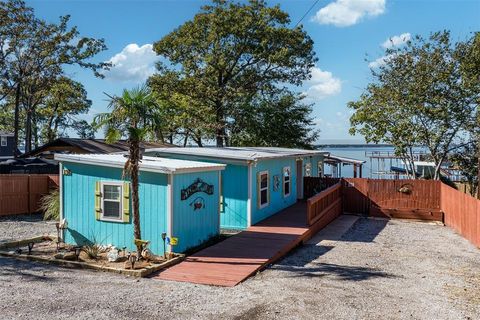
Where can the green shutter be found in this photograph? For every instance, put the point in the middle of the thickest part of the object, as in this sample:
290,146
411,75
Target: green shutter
126,202
98,200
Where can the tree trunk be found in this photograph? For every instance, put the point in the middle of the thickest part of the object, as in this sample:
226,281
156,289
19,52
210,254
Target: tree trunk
134,158
220,131
28,131
16,120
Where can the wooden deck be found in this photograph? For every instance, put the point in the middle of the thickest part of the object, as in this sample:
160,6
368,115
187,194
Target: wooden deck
238,257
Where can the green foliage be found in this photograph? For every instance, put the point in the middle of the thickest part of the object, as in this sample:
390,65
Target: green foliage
135,114
421,96
227,54
280,120
93,250
466,159
50,205
33,56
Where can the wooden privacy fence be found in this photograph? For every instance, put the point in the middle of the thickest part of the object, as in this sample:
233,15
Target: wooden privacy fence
325,206
21,193
408,199
462,213
414,199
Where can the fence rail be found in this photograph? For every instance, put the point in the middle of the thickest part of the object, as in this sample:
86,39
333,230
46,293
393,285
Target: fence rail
21,193
410,199
325,206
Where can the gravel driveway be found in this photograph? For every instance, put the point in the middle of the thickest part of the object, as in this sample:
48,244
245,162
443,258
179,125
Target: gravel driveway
377,270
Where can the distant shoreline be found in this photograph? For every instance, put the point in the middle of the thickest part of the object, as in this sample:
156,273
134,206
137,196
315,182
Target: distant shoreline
346,145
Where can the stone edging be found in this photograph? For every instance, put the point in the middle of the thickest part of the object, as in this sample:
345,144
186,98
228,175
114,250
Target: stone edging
83,265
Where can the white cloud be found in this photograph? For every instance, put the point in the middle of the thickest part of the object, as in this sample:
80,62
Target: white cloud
344,13
396,41
322,85
133,63
380,62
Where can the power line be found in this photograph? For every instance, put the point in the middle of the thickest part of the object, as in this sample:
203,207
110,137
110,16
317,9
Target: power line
306,13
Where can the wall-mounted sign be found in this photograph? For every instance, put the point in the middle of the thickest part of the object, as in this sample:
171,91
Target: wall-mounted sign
197,186
198,203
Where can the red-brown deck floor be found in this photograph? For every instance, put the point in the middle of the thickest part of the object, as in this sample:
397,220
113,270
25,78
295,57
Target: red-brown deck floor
238,257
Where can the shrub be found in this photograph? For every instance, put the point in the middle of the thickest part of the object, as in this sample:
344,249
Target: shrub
50,205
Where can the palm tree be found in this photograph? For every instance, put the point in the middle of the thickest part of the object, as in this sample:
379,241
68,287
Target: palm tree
134,113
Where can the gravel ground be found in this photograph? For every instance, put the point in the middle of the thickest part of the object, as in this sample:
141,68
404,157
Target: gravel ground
377,270
25,226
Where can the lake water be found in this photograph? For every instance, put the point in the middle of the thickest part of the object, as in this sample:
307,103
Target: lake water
360,153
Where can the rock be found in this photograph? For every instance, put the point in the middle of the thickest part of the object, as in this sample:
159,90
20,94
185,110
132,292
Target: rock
58,255
112,255
70,256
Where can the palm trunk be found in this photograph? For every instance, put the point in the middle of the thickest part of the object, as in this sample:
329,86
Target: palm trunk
134,162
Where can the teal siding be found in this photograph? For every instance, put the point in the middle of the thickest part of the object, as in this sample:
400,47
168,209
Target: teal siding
79,208
193,227
277,200
313,160
234,190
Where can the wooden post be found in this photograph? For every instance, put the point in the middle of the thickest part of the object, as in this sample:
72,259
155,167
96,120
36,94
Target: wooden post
354,170
361,166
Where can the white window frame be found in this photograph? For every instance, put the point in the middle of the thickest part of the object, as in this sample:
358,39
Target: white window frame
4,141
309,166
284,181
111,183
260,189
320,169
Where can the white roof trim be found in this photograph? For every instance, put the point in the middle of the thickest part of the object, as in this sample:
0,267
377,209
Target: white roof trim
152,164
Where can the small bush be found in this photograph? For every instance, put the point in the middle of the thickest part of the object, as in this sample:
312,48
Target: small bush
50,205
93,250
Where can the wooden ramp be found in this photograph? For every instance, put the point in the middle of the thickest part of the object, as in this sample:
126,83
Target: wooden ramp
238,257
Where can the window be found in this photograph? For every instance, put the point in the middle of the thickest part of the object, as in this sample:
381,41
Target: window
112,201
3,141
263,189
308,169
320,168
286,181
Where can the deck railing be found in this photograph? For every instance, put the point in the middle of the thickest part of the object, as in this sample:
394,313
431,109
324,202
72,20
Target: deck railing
325,206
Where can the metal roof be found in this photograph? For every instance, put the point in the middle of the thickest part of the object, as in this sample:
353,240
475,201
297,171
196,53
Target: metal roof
236,153
90,146
153,164
336,159
6,134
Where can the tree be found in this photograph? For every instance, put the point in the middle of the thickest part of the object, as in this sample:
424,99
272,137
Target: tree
229,52
64,100
33,55
279,120
134,114
466,159
420,96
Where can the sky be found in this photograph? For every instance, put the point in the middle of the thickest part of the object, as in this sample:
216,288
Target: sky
350,37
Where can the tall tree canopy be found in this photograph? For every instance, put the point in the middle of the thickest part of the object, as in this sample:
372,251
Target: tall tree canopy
422,95
229,53
32,57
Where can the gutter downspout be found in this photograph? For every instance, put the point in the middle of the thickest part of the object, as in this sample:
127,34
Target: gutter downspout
170,209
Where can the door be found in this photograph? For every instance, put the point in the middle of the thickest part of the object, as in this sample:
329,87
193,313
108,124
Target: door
299,172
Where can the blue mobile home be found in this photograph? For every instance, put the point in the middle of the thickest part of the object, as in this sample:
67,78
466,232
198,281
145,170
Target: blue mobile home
257,182
178,197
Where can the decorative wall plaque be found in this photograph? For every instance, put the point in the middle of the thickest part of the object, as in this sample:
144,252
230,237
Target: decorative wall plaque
197,186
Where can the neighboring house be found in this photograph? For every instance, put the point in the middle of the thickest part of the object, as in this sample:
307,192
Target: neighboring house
257,182
84,146
177,197
7,150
